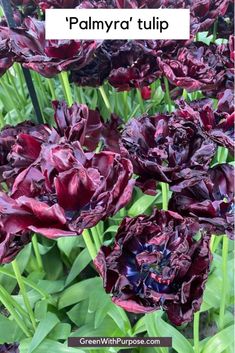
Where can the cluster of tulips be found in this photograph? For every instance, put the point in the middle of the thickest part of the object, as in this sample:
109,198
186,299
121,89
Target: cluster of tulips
126,64
63,179
59,184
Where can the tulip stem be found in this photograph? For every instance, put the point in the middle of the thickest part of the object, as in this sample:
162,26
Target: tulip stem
196,338
13,313
37,253
52,88
167,94
18,71
66,87
105,99
14,303
26,282
140,100
23,292
225,281
96,237
165,188
89,244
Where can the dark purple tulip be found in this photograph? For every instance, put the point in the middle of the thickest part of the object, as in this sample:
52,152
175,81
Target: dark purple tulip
77,123
111,134
168,148
6,57
100,66
211,201
60,4
225,26
134,65
19,147
156,263
25,7
97,4
48,57
196,67
11,245
9,348
66,191
217,125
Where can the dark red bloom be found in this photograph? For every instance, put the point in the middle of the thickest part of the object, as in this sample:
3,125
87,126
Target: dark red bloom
11,245
210,201
146,93
217,125
9,348
97,4
60,4
111,134
48,57
134,65
6,57
156,263
100,66
225,26
168,148
196,67
66,190
19,147
77,123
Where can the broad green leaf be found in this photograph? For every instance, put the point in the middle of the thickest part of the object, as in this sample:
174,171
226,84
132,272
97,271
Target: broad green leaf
67,244
108,328
111,229
52,264
79,292
141,205
79,314
82,260
120,318
150,323
221,341
140,326
48,346
60,332
179,342
40,309
22,259
9,331
102,311
44,328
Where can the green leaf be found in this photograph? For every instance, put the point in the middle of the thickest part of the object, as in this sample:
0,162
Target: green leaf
203,37
79,314
179,342
9,331
67,244
140,326
101,312
79,292
41,309
52,264
141,205
60,332
111,229
120,318
221,341
44,328
82,260
48,346
22,259
150,323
